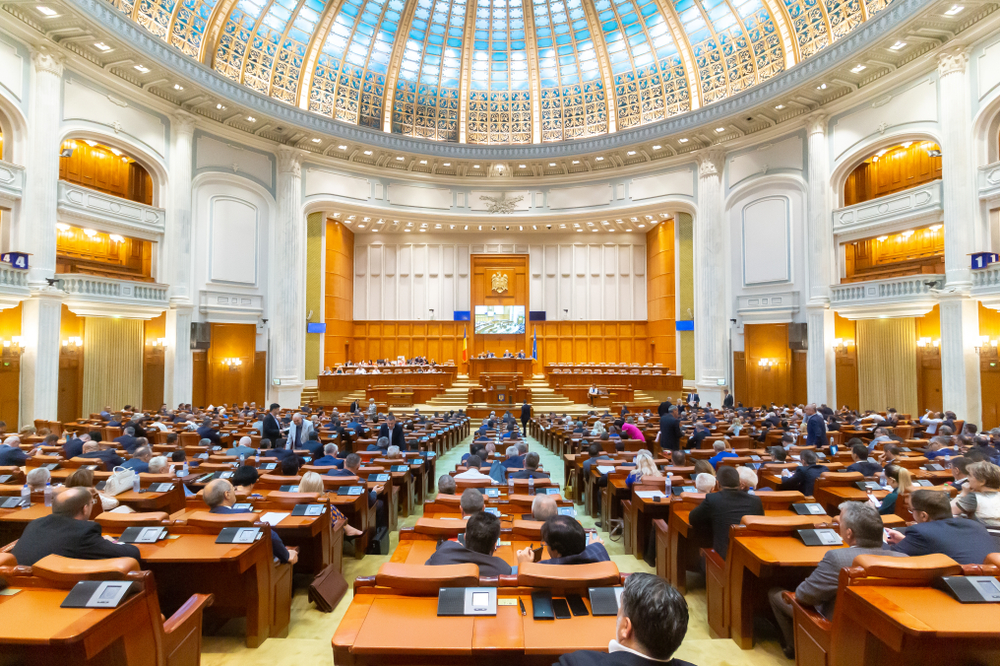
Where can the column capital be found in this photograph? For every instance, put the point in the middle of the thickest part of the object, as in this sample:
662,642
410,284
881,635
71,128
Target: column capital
47,292
183,122
816,122
289,160
710,161
50,62
953,61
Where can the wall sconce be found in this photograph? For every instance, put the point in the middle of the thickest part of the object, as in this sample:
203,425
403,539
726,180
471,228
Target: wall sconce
767,363
986,346
157,342
842,347
924,343
74,342
14,346
232,363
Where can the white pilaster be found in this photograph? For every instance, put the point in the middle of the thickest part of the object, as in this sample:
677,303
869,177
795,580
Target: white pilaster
35,230
710,326
40,318
178,374
821,368
287,288
960,382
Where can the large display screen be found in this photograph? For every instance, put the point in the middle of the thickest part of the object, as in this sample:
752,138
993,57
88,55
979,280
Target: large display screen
499,319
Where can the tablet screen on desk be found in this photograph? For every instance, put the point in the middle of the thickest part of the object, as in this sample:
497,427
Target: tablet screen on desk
245,535
480,600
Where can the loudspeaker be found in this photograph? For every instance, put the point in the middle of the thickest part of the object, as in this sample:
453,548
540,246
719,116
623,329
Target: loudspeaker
201,335
798,337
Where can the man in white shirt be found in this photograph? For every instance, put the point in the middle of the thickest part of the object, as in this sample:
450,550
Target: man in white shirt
361,370
932,420
472,473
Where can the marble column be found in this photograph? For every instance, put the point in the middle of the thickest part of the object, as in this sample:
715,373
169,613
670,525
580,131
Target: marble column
960,382
711,329
178,372
34,231
286,285
821,369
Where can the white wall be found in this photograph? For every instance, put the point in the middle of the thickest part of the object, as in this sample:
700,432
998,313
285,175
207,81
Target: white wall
400,277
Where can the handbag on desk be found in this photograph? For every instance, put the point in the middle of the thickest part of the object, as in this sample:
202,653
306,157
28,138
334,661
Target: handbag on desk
119,481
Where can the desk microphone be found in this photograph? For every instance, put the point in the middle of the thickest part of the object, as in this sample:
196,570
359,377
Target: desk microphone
520,602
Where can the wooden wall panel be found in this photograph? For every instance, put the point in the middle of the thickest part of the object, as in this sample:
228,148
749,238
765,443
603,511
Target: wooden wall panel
740,378
847,364
590,342
10,370
153,363
989,369
928,363
773,383
515,266
226,385
199,378
338,343
76,252
921,252
97,168
898,169
437,340
71,362
799,377
660,294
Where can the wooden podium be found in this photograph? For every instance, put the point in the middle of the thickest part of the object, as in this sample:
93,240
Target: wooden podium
499,389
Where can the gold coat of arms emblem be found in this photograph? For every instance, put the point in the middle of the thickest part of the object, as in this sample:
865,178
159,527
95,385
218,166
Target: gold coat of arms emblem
499,282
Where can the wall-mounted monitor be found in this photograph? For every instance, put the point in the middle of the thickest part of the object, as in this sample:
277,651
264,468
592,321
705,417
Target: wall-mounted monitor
499,320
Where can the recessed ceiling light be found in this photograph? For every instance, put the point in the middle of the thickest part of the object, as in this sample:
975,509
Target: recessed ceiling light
374,231
720,129
423,161
552,164
821,86
317,140
400,158
630,153
368,152
342,147
142,69
102,46
682,140
178,86
46,11
361,226
955,9
859,68
576,161
642,226
406,230
220,107
657,147
779,107
595,230
897,46
475,166
522,166
251,119
599,159
447,164
579,231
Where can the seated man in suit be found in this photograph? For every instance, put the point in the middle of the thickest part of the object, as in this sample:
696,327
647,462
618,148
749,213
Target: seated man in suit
481,534
652,622
74,445
938,531
139,462
106,455
473,463
805,476
329,458
127,440
472,502
11,454
861,529
721,448
543,507
530,470
381,444
567,543
220,496
859,454
68,532
596,455
244,448
277,449
206,431
718,511
513,459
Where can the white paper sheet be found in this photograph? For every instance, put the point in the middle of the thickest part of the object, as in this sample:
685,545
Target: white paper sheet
272,518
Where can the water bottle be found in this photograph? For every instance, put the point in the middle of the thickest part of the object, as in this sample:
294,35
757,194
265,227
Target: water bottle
667,486
48,493
256,458
135,483
184,468
242,459
510,485
531,485
25,497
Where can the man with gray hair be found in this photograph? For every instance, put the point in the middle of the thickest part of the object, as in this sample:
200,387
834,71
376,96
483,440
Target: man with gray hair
721,451
704,483
330,458
861,529
244,448
446,485
127,440
382,444
37,479
159,465
220,496
472,502
513,459
543,507
298,431
393,453
139,462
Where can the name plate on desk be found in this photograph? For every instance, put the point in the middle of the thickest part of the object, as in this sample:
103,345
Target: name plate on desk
547,491
823,537
923,483
677,490
246,507
10,502
5,478
239,535
565,511
143,534
459,601
809,509
289,488
99,594
491,492
971,589
161,487
605,600
868,485
308,509
269,466
349,490
492,509
378,478
400,468
51,467
934,467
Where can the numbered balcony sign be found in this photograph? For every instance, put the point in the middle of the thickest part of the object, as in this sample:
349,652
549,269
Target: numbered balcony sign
983,259
15,259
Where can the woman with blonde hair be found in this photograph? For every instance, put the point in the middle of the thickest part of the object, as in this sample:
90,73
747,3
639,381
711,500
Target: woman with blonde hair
644,466
980,497
896,478
312,482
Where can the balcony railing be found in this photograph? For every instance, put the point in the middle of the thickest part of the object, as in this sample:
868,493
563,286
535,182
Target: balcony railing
893,212
13,286
110,211
90,295
908,296
11,181
986,286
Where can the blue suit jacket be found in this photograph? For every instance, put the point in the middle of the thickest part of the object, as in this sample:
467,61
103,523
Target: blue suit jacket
595,552
127,442
12,456
804,479
277,546
815,430
516,461
963,540
137,466
72,448
107,456
329,461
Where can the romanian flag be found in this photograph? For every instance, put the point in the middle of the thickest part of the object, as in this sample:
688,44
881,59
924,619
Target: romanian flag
465,344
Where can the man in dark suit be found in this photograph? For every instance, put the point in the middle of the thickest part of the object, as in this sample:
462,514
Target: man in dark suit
859,454
530,470
525,415
68,532
670,430
269,426
515,459
107,456
139,462
206,431
938,531
815,427
481,533
663,408
567,543
128,440
652,622
727,399
693,399
11,454
74,445
718,511
394,431
805,476
329,458
220,496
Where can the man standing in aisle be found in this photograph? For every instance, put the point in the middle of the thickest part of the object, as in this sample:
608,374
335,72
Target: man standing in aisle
270,428
815,426
525,415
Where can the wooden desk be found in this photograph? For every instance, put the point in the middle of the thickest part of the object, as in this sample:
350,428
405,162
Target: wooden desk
896,626
486,366
13,521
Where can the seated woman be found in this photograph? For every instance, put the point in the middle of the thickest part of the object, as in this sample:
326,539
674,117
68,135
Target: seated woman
313,483
84,478
644,466
896,477
980,498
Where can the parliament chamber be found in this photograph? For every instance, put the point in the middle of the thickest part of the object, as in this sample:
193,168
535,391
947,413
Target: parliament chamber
577,332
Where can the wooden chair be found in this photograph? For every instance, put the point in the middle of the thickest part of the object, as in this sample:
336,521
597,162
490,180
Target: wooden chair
119,522
568,578
417,579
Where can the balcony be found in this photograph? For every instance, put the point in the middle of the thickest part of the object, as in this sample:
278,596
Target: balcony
893,212
92,296
989,182
11,182
909,296
986,286
13,286
109,211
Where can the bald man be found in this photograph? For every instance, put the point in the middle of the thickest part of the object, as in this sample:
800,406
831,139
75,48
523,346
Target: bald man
244,448
220,496
543,507
69,532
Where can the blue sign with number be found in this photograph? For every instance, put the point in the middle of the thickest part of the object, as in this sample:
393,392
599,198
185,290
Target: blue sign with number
983,259
15,259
